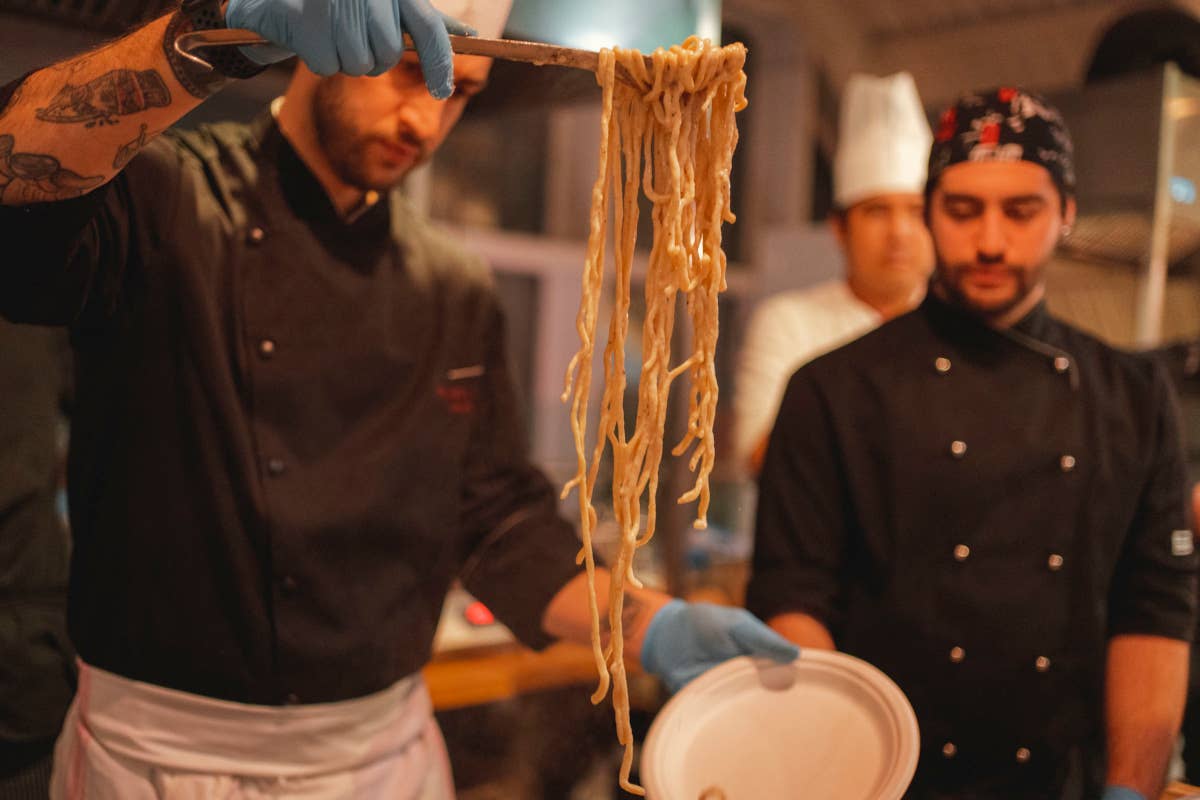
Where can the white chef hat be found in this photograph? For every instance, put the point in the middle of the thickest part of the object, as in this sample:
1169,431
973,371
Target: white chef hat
488,17
883,139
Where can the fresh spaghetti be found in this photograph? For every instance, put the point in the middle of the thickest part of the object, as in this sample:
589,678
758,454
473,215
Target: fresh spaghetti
668,131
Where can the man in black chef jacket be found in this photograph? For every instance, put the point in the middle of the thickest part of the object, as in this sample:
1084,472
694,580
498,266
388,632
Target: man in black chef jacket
294,423
988,504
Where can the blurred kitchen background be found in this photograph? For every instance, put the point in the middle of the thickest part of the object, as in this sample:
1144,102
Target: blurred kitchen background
514,182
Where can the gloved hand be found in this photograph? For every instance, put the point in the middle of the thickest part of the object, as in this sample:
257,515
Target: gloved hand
1120,793
685,639
357,37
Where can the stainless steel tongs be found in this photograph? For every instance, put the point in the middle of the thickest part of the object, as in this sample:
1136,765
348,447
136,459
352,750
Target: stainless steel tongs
510,50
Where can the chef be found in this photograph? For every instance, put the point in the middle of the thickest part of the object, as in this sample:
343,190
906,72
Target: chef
879,180
294,421
989,504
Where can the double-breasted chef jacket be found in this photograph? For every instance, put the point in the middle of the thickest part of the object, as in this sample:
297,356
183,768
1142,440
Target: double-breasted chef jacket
976,512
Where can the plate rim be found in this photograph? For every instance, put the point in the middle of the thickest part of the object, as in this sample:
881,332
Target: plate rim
887,693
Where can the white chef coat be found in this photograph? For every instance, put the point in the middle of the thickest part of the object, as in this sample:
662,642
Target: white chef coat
786,331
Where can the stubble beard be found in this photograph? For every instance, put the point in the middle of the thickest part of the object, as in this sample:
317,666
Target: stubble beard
950,280
345,149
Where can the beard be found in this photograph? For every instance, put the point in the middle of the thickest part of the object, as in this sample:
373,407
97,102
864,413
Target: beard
345,146
954,282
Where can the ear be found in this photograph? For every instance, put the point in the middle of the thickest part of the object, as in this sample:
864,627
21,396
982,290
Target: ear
837,223
1070,210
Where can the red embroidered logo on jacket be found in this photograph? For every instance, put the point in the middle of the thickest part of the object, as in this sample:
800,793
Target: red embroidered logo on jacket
459,399
459,391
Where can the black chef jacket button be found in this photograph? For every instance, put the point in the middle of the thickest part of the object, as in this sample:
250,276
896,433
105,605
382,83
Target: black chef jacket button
949,750
958,449
1042,664
275,466
1067,463
288,583
957,654
1062,364
1054,562
292,699
942,365
962,552
256,235
266,348
1023,755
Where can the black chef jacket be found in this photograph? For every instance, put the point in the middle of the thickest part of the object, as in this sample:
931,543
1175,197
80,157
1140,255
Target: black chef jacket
291,433
976,512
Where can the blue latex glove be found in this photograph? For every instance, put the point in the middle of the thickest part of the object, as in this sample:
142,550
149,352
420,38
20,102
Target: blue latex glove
1120,793
685,639
357,37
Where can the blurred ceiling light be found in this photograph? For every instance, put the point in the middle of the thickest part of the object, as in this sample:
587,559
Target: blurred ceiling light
639,24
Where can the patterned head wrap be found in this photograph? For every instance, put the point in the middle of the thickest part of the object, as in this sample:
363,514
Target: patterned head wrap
1003,125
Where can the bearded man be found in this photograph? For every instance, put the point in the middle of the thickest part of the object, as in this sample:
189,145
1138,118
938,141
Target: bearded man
989,504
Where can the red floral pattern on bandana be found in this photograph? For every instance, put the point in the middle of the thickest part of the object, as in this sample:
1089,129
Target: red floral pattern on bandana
947,125
1004,124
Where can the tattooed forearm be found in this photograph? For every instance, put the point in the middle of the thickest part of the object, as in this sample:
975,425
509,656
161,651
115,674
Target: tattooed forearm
100,101
36,177
130,149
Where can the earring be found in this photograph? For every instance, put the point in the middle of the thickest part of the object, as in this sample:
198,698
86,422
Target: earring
1065,231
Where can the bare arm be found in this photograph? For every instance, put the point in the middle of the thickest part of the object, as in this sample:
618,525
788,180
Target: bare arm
69,128
1145,691
802,629
568,616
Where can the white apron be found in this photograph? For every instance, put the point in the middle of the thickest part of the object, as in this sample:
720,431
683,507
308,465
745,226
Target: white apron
127,740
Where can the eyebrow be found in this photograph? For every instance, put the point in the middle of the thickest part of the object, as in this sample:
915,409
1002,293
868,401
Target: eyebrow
950,197
1024,198
471,86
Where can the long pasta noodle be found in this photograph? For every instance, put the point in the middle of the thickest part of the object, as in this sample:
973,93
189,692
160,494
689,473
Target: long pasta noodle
668,132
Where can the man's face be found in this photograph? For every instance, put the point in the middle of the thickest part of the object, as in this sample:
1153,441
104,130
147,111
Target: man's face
995,226
376,130
887,244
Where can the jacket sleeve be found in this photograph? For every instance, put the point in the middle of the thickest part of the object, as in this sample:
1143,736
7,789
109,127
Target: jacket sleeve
1153,589
523,550
800,536
768,357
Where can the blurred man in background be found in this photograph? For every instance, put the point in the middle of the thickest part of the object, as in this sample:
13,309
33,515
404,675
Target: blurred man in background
879,178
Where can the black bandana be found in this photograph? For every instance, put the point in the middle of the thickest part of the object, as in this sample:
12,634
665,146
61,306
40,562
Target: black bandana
1003,125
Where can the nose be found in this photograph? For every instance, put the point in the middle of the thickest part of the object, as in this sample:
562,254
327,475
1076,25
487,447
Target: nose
421,115
991,245
902,224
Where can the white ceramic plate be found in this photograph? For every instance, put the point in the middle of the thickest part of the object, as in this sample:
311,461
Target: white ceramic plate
828,725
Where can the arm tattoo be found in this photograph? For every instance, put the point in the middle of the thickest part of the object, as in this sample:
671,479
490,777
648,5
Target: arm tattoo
36,177
100,101
130,149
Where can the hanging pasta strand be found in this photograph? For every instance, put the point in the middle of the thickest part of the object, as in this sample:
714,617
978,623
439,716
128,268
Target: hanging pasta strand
670,134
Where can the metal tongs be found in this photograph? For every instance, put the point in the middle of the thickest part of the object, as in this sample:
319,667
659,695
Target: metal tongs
508,49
